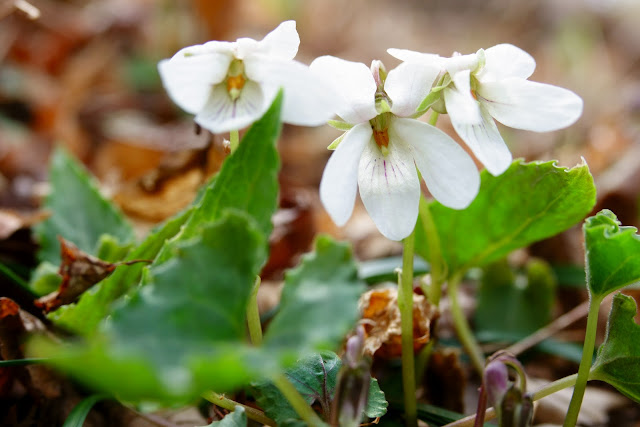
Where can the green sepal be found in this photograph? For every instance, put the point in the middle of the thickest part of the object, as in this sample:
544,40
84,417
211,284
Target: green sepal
340,125
336,142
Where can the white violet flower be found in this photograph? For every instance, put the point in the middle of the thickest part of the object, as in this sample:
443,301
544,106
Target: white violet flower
384,145
493,83
229,85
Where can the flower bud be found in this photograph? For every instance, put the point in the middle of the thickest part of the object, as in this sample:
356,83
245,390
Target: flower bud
496,382
379,73
352,385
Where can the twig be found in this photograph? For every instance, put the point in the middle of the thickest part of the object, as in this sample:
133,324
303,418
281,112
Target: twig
226,403
552,328
22,5
470,420
30,10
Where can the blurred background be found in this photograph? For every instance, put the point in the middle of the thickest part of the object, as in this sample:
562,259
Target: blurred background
83,75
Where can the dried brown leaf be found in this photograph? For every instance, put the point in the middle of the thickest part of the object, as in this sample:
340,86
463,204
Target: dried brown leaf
79,272
381,320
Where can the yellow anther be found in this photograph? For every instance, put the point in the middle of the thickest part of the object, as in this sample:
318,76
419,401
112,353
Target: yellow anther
235,83
381,137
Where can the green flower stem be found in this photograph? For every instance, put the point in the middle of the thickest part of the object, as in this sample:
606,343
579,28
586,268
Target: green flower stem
545,391
585,364
433,119
462,328
296,400
555,386
234,140
437,274
253,315
405,305
252,413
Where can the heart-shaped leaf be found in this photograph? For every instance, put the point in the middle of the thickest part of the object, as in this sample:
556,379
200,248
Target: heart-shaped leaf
618,359
183,332
79,213
612,254
95,304
247,181
527,203
319,302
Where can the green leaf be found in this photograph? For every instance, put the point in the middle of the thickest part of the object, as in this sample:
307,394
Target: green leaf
184,331
81,410
515,304
238,418
79,213
527,203
45,279
612,254
385,269
247,181
315,378
94,305
319,302
618,359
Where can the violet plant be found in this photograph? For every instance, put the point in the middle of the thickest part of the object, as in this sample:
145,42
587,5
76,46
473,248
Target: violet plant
177,329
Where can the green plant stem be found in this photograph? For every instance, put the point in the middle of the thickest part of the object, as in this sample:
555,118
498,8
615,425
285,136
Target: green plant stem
234,140
545,391
437,265
555,386
462,327
296,400
21,362
585,363
13,276
433,119
252,413
405,305
253,315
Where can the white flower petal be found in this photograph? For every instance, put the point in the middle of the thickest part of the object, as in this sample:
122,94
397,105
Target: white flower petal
309,100
389,188
458,63
522,104
283,42
460,103
245,47
222,114
412,56
353,82
449,172
504,61
485,141
407,85
188,79
340,178
213,46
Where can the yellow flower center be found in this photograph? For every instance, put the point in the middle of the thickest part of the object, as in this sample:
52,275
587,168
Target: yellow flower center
381,137
380,126
235,83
